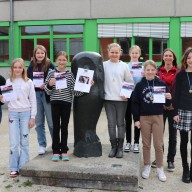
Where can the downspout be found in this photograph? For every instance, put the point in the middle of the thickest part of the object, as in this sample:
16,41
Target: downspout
11,31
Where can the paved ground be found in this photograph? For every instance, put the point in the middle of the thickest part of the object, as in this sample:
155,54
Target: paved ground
21,185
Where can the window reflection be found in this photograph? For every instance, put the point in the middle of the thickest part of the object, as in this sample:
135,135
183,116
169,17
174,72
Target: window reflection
58,45
143,43
125,46
186,42
4,31
4,51
67,29
104,42
27,49
76,46
35,30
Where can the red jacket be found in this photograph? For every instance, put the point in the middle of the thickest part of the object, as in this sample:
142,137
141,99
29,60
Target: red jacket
167,77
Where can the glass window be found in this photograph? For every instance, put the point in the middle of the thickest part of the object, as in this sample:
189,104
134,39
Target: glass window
59,45
4,51
27,49
143,43
186,42
104,42
158,46
46,44
125,43
35,30
76,46
67,29
4,31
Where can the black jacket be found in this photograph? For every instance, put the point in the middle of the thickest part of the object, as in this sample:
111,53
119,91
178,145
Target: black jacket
30,75
142,105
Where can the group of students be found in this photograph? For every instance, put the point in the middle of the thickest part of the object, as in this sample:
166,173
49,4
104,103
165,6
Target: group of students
34,104
150,117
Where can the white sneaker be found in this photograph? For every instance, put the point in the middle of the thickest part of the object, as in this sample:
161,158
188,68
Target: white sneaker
161,174
146,171
136,148
41,150
127,147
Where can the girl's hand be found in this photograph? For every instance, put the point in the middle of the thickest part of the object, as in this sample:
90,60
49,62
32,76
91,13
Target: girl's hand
31,123
168,95
123,97
42,86
176,118
1,97
52,82
138,124
92,82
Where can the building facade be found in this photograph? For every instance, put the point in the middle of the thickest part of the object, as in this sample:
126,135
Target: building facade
90,25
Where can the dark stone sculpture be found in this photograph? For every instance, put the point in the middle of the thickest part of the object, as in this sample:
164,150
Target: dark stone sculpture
87,108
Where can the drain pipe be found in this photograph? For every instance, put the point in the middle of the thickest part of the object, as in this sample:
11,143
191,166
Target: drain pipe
11,31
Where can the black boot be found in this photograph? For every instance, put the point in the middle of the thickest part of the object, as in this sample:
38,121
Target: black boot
186,174
191,173
113,151
119,153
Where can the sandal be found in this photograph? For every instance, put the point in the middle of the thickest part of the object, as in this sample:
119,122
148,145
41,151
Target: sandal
14,174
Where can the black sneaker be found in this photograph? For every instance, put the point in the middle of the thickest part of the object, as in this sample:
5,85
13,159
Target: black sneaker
171,166
154,164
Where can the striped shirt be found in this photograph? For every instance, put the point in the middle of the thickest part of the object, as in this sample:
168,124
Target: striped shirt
61,95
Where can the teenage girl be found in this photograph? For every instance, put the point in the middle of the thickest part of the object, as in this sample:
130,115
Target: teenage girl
148,116
167,73
134,53
41,63
21,113
116,72
2,82
183,111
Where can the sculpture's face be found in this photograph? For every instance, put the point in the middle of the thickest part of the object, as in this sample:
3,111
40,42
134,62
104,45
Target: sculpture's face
114,54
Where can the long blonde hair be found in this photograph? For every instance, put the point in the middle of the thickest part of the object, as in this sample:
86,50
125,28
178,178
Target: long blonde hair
24,73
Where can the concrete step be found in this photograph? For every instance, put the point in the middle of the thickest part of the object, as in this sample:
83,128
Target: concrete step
89,173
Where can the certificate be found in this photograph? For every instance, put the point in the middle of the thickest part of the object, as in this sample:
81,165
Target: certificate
61,81
8,93
136,69
127,89
38,78
159,94
83,80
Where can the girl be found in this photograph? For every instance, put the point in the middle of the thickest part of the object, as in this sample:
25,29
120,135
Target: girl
116,72
148,117
183,110
134,53
40,63
2,82
167,73
61,100
21,114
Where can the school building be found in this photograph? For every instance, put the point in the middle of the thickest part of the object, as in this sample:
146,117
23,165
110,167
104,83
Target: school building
90,25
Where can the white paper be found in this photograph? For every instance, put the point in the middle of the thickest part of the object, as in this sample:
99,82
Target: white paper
136,69
38,78
61,81
127,89
159,94
83,80
8,93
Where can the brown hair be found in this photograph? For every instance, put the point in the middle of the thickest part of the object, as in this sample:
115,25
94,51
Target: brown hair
24,73
135,47
174,58
45,61
114,45
61,53
184,58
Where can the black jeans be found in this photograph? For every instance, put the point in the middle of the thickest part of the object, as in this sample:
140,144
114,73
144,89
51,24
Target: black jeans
128,124
183,147
60,117
168,114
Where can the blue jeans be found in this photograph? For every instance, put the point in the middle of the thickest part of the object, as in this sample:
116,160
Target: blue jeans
18,136
43,109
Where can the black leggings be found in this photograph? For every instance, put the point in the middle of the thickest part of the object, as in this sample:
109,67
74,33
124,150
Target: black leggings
183,147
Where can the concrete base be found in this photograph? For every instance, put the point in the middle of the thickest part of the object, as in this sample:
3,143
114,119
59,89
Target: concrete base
91,173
